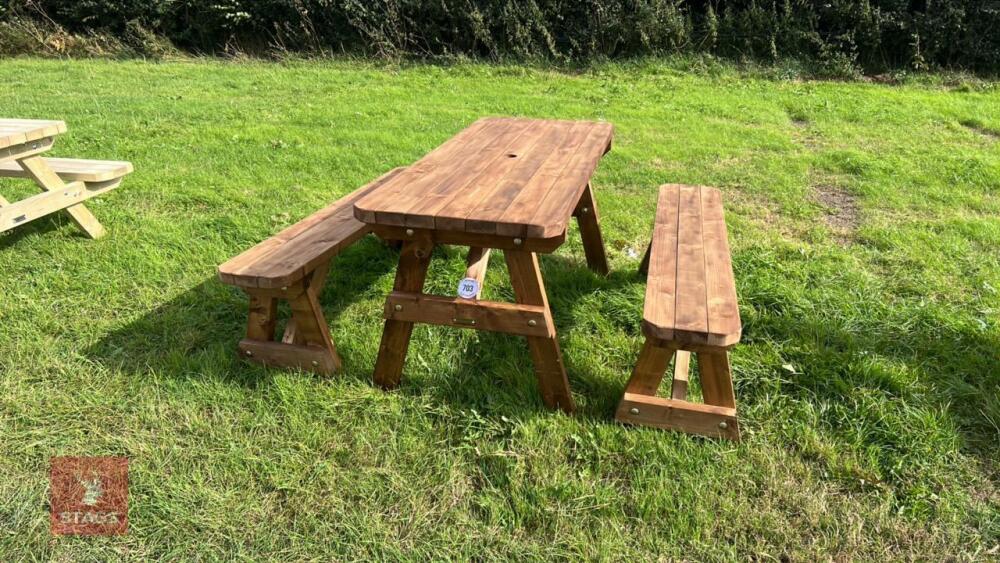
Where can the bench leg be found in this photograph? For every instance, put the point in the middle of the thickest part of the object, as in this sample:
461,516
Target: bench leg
526,278
715,418
316,281
649,369
306,343
414,258
48,180
590,231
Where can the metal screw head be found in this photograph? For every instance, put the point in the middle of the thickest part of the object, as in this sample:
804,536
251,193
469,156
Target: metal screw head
633,410
532,322
585,210
397,307
723,425
249,353
409,232
518,241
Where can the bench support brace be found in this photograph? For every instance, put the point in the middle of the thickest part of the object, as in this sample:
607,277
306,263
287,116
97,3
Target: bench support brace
715,418
306,343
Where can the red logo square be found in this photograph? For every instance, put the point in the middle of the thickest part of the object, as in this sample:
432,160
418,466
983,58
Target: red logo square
88,495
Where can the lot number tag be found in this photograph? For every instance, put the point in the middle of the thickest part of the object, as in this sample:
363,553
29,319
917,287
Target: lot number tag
468,288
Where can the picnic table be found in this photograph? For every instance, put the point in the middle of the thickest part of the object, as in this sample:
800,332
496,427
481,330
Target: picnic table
502,183
65,183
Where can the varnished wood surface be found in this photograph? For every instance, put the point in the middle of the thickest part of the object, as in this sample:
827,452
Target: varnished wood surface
691,291
294,252
500,176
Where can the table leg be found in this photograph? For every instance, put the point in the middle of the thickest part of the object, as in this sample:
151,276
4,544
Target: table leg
526,278
590,231
414,258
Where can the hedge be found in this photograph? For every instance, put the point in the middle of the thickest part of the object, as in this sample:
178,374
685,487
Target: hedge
869,34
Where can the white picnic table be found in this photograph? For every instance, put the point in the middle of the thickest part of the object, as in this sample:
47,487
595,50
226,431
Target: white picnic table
65,183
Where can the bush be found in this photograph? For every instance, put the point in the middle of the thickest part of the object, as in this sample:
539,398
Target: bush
871,34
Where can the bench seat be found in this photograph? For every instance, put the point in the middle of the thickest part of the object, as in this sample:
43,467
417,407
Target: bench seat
690,307
290,255
75,170
292,265
690,290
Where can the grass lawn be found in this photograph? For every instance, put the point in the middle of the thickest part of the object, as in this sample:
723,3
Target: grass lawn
865,225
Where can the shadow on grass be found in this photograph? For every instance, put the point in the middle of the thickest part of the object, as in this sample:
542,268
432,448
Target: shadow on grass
41,226
195,334
876,376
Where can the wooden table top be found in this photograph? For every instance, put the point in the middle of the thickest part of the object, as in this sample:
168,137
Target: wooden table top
500,176
20,131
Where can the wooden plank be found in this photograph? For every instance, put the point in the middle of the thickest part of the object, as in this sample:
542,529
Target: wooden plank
387,200
716,379
554,210
19,131
46,203
649,369
477,262
724,326
517,215
543,246
691,311
590,231
414,258
475,189
311,328
526,277
693,418
423,180
252,267
510,318
26,149
308,358
472,181
72,169
661,283
484,215
263,316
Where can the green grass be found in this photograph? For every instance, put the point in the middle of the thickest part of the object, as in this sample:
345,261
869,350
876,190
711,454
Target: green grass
868,379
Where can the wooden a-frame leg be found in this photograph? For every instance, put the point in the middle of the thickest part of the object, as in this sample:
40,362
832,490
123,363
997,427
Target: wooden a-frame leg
716,379
316,281
526,277
715,418
414,258
48,180
590,231
262,318
477,260
649,369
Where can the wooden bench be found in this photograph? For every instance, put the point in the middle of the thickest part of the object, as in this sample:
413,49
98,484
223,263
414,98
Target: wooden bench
293,265
67,182
690,307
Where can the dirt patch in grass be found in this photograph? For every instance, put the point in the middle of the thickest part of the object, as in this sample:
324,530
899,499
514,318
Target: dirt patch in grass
843,215
981,129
